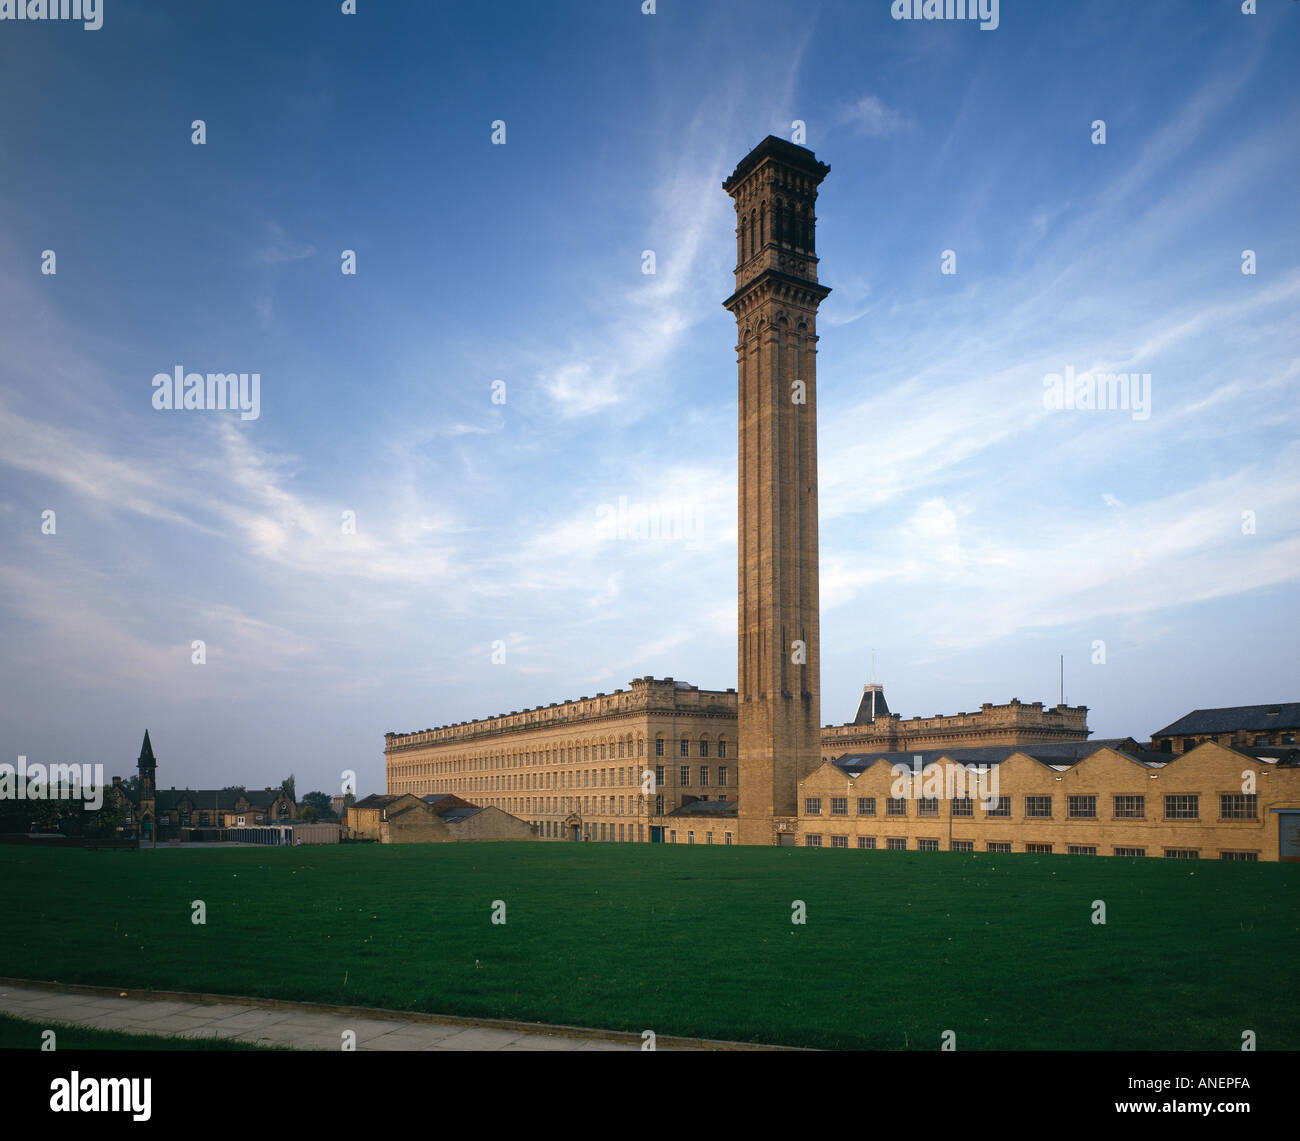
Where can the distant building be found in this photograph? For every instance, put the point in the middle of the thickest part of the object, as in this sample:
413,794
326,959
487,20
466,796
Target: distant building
549,765
434,819
1234,725
167,811
875,728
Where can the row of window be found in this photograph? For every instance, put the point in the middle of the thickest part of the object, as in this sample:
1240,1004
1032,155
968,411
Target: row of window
1182,806
563,805
684,776
590,778
899,844
186,819
603,830
579,754
1189,743
610,833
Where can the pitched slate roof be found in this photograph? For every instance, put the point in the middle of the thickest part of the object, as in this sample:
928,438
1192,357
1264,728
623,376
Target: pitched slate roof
1251,718
215,799
448,807
375,800
444,802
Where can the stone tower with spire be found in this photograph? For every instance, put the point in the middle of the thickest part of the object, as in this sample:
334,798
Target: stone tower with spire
147,767
775,305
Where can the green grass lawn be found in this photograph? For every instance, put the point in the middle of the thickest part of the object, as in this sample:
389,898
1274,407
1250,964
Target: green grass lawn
20,1034
898,947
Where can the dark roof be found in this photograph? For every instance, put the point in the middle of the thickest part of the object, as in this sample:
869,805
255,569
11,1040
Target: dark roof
146,753
872,705
1251,718
706,808
784,151
214,799
1048,752
443,803
446,806
1284,755
375,800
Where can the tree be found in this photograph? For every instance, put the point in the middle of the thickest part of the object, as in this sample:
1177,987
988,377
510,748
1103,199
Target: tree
239,788
73,817
288,787
321,804
106,820
308,814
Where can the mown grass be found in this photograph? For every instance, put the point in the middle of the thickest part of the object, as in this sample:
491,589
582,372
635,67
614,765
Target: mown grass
898,947
21,1034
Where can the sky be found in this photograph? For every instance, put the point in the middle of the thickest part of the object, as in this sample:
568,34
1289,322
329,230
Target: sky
499,372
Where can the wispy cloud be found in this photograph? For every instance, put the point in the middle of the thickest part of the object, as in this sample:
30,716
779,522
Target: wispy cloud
871,117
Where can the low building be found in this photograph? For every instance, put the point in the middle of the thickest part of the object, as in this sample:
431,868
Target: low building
431,819
286,835
1107,798
697,821
222,808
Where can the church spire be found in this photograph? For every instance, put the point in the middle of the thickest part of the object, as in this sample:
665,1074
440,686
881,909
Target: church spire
148,768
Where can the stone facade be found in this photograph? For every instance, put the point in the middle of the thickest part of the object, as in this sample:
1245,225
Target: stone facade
1107,803
774,189
676,742
578,769
408,819
1012,724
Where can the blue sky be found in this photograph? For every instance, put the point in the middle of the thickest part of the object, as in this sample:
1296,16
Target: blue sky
968,533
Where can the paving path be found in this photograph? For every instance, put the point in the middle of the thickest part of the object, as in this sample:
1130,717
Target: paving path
302,1026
